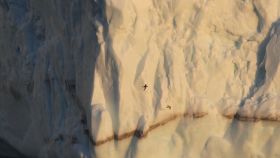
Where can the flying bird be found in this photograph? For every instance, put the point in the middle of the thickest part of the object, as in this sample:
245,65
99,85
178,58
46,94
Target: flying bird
145,87
168,107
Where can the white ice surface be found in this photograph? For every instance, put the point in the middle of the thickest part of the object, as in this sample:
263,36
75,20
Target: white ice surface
65,60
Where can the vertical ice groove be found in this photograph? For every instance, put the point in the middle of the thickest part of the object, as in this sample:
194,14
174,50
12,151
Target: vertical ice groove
258,12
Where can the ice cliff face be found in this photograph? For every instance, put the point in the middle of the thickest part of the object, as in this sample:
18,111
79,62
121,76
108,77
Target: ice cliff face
76,74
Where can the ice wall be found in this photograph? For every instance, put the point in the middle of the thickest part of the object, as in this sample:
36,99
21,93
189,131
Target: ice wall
195,57
76,74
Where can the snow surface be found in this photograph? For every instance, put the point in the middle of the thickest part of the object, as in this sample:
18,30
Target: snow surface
73,74
209,137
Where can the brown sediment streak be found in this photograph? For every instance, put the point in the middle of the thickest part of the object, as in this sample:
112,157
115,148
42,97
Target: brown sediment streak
255,118
142,134
247,118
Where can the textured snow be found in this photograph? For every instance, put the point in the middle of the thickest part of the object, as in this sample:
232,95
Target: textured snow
264,98
72,75
208,137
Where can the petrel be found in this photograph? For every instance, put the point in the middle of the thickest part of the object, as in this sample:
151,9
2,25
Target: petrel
168,107
145,87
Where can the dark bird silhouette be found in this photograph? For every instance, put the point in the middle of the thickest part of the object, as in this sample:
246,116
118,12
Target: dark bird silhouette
145,87
168,107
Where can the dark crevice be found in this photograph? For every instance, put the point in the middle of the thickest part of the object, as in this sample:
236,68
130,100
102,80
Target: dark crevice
97,9
112,69
157,92
139,133
260,19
